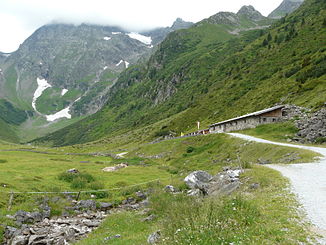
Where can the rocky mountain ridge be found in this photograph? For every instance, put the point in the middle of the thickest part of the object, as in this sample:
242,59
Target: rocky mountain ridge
77,65
286,7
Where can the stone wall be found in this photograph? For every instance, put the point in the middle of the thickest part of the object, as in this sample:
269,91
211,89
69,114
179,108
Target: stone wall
244,123
312,128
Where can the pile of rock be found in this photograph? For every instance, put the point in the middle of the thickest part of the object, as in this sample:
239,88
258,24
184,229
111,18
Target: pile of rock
313,128
57,231
78,219
115,168
292,112
224,183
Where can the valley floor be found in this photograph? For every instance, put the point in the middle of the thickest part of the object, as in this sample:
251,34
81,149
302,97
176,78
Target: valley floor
267,214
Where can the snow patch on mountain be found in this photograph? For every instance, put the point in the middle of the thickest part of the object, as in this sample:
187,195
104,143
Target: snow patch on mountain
77,99
123,61
105,67
144,39
42,85
64,91
116,33
107,38
60,114
120,62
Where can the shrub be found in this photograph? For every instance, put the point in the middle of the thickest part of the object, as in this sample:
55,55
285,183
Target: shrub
321,140
80,180
3,161
190,149
70,177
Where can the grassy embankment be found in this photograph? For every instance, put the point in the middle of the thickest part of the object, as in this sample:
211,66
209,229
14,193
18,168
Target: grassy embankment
266,214
281,132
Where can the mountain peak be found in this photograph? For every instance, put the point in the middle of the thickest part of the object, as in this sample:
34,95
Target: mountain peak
181,24
250,12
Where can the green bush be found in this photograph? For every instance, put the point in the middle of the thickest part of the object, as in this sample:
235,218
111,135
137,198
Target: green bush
190,149
3,161
81,181
70,177
321,140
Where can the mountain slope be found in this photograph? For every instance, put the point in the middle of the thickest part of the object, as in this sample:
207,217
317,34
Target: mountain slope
64,71
286,7
169,69
205,74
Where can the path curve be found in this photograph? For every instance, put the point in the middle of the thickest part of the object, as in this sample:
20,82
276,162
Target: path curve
308,181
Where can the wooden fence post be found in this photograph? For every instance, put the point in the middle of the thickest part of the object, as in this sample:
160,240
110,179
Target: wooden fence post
11,198
77,196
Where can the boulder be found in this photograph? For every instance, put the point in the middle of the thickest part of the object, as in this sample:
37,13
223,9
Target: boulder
223,183
115,168
169,188
105,206
198,180
73,171
141,195
85,205
154,237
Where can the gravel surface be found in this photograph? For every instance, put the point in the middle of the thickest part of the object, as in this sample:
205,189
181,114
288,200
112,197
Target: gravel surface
308,181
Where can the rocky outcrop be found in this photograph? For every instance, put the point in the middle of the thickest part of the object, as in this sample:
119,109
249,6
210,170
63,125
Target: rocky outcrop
286,7
115,168
224,183
251,13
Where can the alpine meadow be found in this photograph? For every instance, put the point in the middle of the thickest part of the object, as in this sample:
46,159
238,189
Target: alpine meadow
206,132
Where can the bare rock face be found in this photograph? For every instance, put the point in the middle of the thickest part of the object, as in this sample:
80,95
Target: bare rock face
286,7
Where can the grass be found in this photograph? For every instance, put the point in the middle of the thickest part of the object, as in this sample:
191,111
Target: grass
281,132
170,161
276,131
267,215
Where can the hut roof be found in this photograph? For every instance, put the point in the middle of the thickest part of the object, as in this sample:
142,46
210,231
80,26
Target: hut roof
257,113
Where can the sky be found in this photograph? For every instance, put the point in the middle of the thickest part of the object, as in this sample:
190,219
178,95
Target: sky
20,18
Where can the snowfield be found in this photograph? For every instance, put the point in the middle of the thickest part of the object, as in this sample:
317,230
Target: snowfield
144,39
42,85
107,38
60,114
64,91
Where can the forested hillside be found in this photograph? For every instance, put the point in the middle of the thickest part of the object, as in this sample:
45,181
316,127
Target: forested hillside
212,72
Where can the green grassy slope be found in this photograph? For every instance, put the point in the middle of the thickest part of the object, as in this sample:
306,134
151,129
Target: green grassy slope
7,132
210,75
265,215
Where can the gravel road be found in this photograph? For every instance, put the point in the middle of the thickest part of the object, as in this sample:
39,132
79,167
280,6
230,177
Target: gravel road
308,181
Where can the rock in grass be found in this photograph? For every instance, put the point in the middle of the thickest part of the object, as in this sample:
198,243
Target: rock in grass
73,171
86,204
154,237
198,180
169,188
104,206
